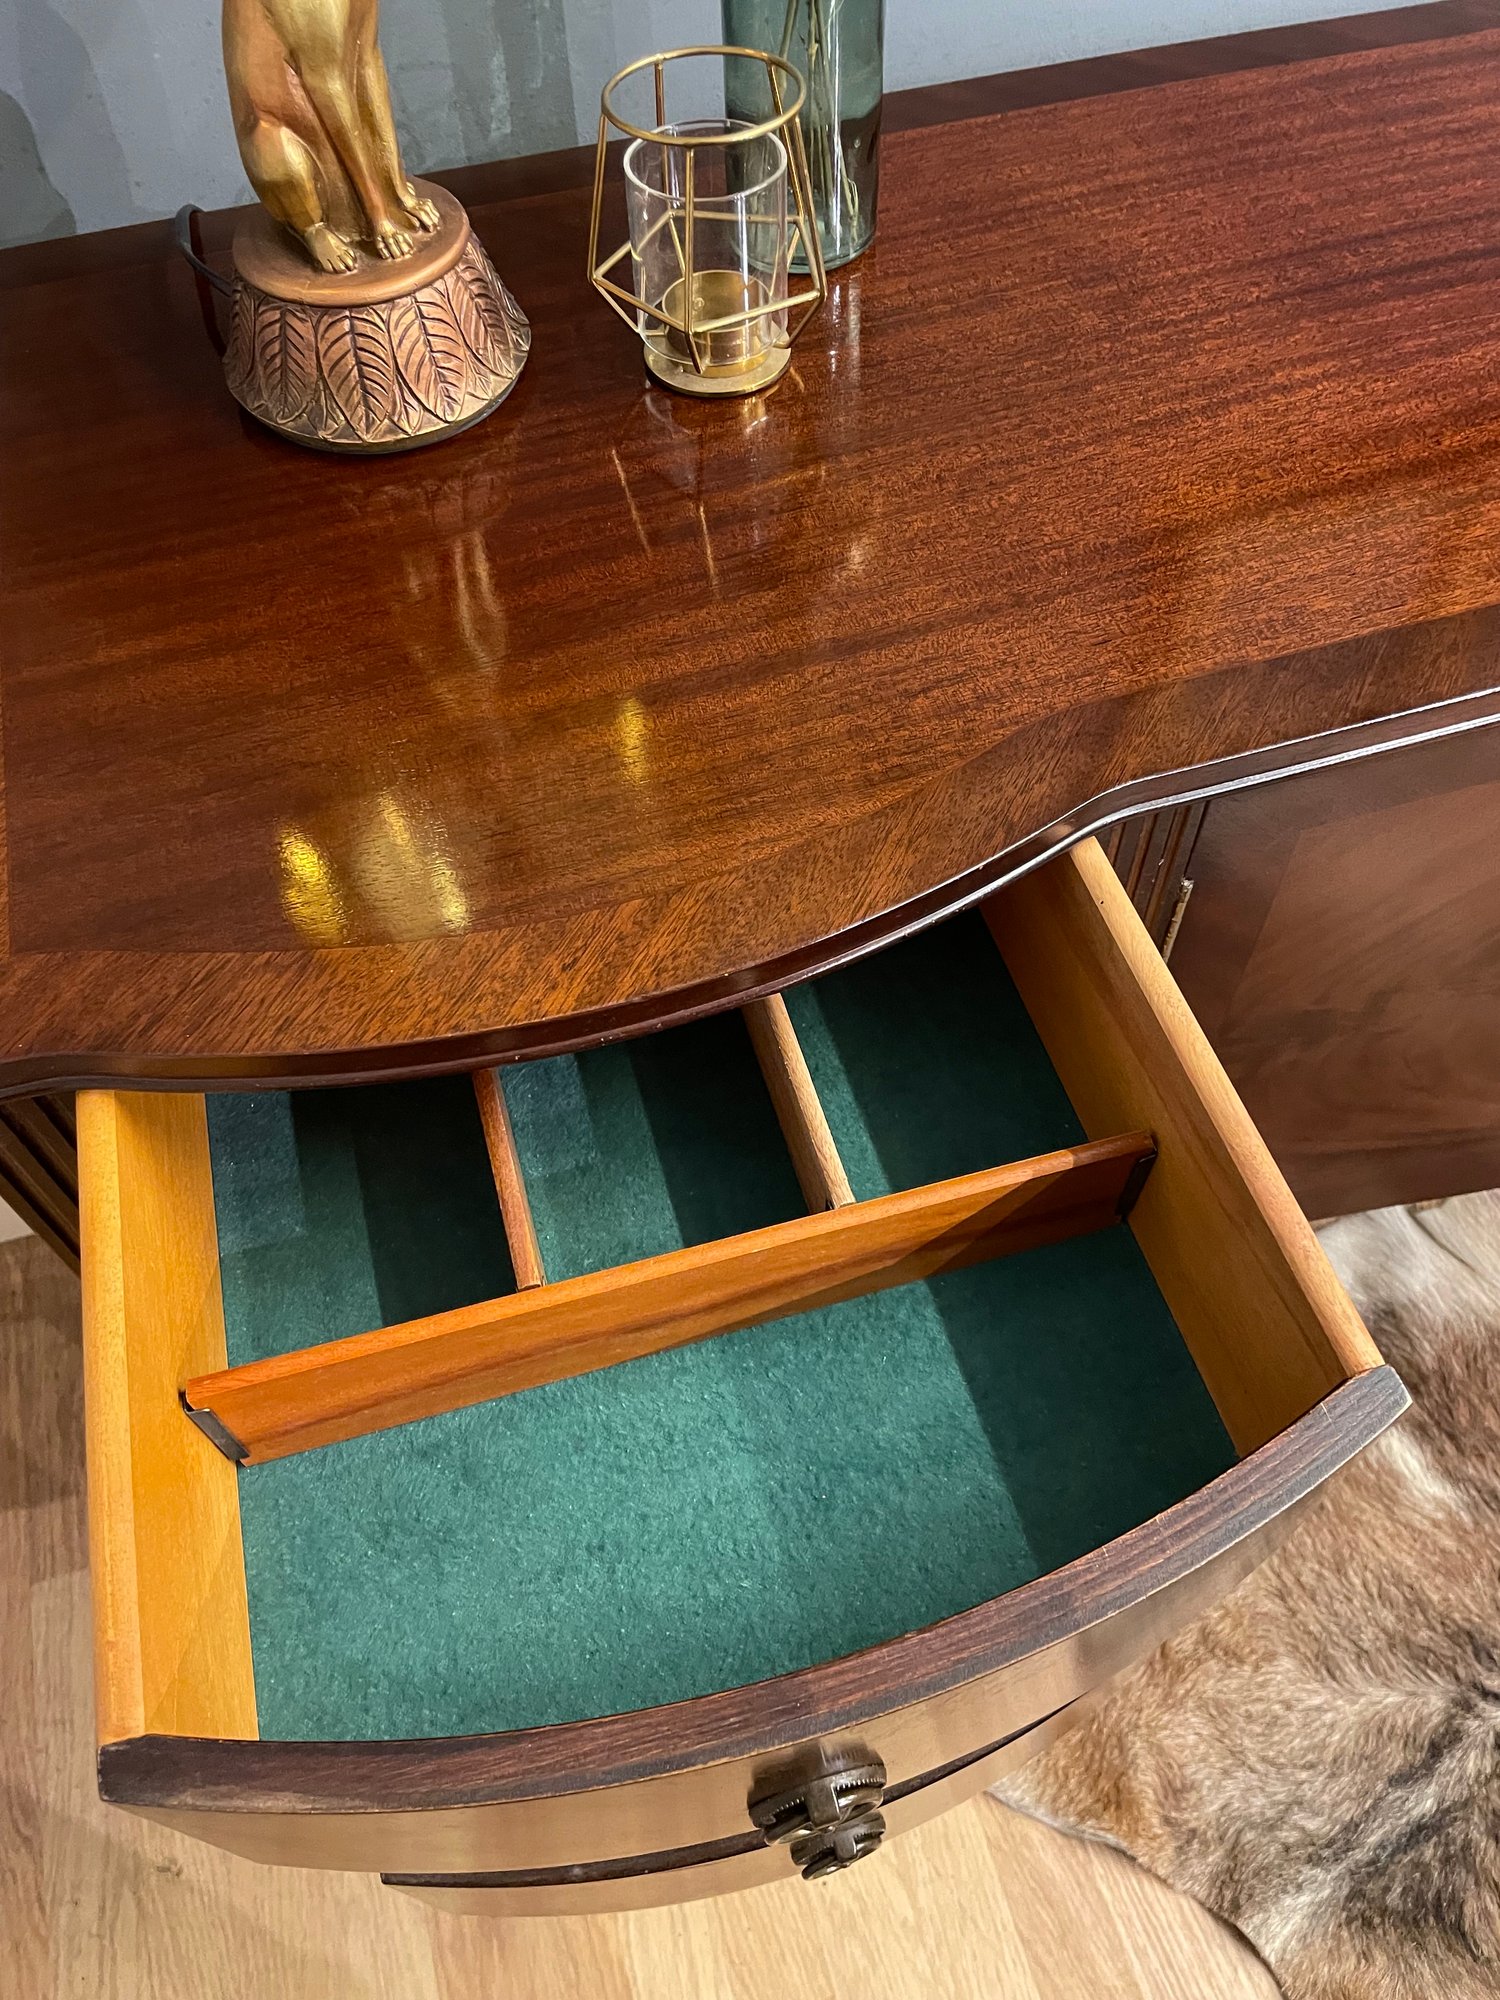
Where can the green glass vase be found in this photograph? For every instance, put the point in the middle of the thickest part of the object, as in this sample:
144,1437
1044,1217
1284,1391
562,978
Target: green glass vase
838,47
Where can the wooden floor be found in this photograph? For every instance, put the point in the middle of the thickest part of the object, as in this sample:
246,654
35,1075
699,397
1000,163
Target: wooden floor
979,1906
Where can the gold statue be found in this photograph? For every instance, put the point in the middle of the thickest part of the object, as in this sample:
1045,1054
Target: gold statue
397,332
312,113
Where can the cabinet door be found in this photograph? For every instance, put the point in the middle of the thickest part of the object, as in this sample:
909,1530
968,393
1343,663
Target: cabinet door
1341,947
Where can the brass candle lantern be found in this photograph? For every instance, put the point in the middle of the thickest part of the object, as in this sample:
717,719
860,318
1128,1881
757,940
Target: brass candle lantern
718,209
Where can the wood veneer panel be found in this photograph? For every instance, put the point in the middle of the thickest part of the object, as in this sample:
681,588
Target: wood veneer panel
346,1388
1340,949
171,1620
1271,1328
660,726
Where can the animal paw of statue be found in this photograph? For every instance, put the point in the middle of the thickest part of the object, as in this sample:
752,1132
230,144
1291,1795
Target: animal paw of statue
391,240
328,250
422,212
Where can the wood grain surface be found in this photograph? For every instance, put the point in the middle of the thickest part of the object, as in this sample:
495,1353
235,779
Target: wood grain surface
98,1902
799,1109
510,1181
1253,1294
1154,435
1340,950
171,1615
370,1381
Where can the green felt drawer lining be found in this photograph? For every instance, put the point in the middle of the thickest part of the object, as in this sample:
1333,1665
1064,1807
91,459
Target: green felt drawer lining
719,1513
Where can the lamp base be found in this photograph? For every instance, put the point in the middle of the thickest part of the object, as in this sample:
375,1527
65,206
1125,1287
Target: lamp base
383,358
682,376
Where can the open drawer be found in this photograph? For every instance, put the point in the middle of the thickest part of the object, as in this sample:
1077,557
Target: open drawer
553,1646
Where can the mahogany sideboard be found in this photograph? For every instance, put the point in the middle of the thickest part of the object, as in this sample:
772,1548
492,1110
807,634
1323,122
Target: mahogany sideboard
1142,481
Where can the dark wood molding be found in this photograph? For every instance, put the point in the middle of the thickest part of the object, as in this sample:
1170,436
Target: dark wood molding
256,1777
1114,474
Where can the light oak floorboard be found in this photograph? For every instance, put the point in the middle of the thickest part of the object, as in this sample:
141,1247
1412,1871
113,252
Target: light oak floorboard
981,1905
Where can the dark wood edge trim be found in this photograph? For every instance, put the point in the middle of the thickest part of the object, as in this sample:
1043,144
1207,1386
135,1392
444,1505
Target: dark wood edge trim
663,1861
564,1034
209,1774
571,167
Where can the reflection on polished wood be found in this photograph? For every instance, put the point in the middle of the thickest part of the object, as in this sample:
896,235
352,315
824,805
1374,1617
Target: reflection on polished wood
1156,430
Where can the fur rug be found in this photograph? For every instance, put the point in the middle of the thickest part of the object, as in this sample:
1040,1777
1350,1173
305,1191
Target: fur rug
1318,1760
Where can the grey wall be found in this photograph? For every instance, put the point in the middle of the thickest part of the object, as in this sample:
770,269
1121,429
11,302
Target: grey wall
113,110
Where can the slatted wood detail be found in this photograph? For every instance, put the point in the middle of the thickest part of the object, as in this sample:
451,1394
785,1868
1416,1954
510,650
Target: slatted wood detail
39,1169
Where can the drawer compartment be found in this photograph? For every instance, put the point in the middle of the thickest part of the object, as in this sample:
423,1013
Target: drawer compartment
650,1197
556,1628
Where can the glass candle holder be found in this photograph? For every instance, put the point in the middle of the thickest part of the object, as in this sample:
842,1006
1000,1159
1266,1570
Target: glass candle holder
728,319
717,208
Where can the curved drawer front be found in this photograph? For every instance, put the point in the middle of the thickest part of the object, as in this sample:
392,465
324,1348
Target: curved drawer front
1025,1355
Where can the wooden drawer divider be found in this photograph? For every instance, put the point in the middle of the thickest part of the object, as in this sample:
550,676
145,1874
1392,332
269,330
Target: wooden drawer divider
370,1381
548,1330
804,1123
510,1182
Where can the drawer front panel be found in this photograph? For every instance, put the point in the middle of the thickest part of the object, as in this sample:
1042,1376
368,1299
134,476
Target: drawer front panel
648,1881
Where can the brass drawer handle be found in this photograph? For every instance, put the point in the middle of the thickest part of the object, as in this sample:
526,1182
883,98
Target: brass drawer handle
830,1816
836,1847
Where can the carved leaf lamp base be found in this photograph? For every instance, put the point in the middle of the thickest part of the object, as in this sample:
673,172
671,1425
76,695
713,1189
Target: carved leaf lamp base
390,355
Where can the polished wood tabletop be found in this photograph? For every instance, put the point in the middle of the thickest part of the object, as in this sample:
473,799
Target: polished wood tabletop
1154,445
